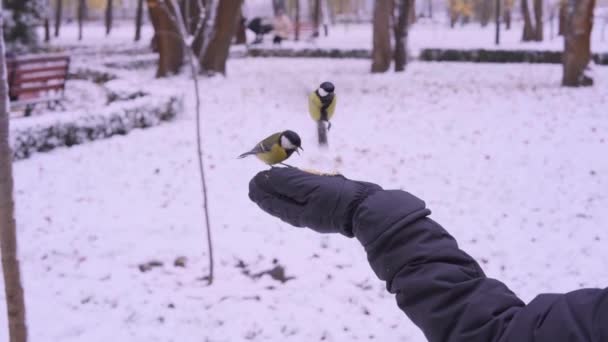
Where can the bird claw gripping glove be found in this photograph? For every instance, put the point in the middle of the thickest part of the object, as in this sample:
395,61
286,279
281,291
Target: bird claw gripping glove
324,203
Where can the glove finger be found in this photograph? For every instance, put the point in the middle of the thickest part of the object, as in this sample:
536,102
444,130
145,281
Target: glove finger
294,183
274,203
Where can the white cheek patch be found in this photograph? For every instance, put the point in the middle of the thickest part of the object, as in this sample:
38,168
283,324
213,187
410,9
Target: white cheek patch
287,144
322,92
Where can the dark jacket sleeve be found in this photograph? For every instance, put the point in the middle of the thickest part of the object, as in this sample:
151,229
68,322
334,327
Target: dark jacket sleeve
447,295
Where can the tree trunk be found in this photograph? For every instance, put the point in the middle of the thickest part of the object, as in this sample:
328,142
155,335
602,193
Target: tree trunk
401,31
316,18
297,21
15,303
528,33
486,12
577,42
430,8
166,38
139,19
381,52
109,16
241,35
562,17
497,22
216,53
47,29
197,31
58,15
411,11
538,20
81,9
507,13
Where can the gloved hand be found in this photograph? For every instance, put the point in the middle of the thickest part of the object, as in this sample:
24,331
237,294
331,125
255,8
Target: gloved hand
324,203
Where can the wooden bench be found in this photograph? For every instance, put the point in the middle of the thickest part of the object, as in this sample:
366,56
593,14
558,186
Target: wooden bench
37,79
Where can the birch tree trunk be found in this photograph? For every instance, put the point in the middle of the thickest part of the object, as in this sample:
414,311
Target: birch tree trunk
15,304
577,42
381,52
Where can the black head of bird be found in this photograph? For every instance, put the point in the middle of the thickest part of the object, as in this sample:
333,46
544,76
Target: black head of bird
290,141
325,89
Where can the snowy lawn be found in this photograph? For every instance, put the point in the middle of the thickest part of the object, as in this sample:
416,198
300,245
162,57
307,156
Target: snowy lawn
510,163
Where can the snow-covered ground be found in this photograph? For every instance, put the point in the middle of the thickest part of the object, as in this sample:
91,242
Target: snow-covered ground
510,162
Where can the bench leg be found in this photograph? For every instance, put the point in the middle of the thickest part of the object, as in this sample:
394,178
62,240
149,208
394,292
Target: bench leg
28,110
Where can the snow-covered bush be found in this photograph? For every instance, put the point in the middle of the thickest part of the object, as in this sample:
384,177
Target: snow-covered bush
51,132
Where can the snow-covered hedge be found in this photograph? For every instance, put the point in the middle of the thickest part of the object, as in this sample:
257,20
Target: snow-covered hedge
67,129
499,56
322,53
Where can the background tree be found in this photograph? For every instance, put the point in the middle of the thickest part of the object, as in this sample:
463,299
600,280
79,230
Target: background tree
109,16
241,34
297,21
507,9
58,16
47,24
577,42
139,19
81,12
381,51
167,39
316,18
213,58
20,28
15,304
533,31
497,22
538,20
562,17
401,32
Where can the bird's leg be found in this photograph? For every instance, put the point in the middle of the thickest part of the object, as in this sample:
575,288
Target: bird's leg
328,126
286,165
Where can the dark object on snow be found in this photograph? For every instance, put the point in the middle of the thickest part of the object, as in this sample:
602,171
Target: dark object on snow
438,286
145,267
260,28
180,261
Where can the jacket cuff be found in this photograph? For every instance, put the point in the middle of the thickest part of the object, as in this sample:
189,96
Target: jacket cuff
384,211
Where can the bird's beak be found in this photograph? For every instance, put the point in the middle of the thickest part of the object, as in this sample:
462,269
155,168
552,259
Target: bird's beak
298,150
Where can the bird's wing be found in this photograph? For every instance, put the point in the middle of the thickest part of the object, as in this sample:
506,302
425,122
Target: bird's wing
266,144
314,106
263,146
332,107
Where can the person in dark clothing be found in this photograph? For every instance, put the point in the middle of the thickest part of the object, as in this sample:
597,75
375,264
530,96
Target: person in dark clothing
438,286
260,27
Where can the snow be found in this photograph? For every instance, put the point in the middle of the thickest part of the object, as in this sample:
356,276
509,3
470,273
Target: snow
510,163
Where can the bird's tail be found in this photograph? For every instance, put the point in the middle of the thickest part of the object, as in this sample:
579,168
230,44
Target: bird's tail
246,154
322,133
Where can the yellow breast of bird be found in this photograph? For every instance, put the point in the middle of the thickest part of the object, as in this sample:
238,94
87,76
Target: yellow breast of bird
314,107
276,155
